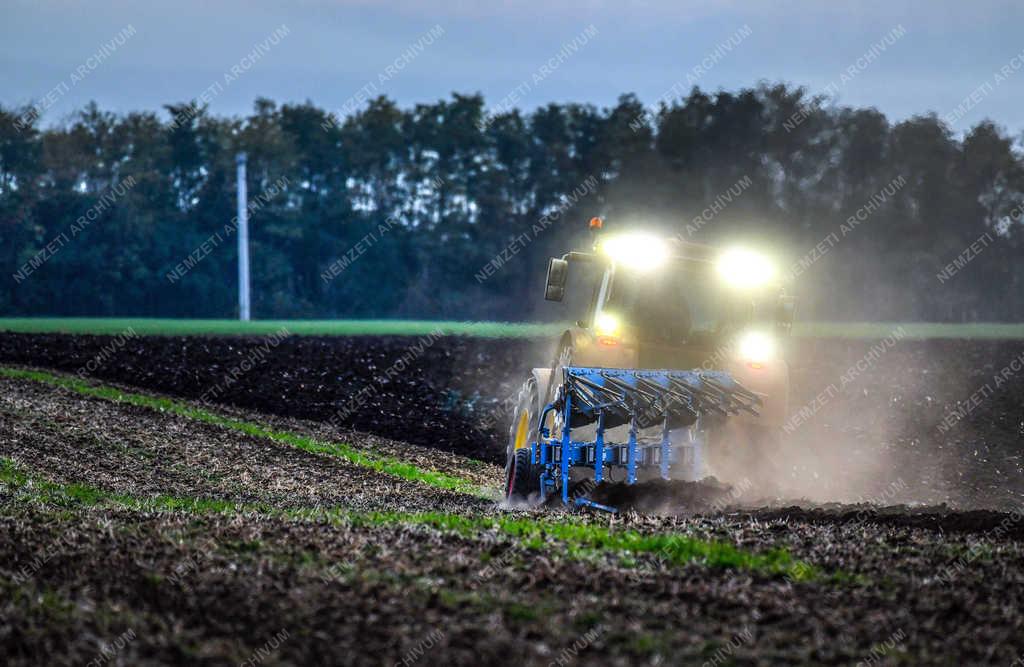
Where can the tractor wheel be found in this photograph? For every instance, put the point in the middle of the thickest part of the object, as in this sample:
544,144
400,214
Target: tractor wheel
522,432
522,484
564,359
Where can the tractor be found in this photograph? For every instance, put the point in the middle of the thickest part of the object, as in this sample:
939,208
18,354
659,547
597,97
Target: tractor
675,368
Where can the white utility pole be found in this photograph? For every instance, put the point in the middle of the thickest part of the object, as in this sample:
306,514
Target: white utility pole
243,241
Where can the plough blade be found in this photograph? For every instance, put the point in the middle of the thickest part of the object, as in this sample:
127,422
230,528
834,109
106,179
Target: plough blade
651,395
640,398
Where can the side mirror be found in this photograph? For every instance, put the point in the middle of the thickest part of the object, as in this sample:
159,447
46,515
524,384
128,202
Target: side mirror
558,271
785,312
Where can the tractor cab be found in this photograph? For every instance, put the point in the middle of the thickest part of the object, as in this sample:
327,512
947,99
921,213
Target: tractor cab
674,304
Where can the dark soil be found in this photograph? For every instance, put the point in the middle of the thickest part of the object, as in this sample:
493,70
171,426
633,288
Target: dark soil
661,496
911,585
128,449
448,395
215,590
876,438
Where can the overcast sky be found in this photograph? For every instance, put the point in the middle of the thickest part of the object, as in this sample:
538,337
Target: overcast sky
333,48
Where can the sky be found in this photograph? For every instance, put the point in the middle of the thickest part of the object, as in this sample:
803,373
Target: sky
961,60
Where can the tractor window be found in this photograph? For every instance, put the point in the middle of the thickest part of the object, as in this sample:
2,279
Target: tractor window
671,307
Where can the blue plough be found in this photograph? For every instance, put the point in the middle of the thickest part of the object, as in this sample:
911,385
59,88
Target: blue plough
641,399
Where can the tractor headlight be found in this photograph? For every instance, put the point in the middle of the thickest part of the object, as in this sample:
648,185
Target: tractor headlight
642,252
607,329
756,347
739,267
606,324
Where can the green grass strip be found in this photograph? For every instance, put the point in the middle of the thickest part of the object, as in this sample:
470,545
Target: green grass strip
188,327
384,464
581,540
584,538
67,495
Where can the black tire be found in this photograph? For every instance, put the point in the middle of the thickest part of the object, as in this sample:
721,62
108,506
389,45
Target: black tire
562,359
522,480
528,402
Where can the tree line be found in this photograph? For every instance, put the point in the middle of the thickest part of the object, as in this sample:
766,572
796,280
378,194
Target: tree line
446,210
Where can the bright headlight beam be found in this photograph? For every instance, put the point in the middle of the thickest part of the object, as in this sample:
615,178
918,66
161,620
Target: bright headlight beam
756,347
740,267
607,324
638,251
